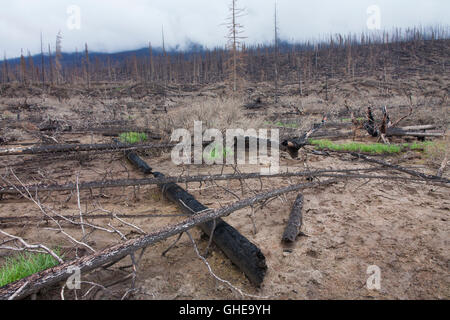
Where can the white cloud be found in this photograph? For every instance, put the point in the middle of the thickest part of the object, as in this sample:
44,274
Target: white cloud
114,25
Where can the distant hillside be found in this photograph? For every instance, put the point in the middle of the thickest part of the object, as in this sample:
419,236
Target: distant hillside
375,54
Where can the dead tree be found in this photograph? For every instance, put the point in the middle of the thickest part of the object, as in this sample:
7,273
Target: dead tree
356,124
295,221
386,127
276,53
234,39
42,63
295,144
244,254
50,64
58,57
88,76
370,125
14,190
44,149
31,284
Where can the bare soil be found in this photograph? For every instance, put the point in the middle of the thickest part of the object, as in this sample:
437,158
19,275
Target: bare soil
401,227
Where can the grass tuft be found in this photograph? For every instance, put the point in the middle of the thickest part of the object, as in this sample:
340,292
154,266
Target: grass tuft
372,148
282,125
25,264
216,153
133,137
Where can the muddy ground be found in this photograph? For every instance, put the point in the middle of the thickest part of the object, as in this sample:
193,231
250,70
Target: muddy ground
401,227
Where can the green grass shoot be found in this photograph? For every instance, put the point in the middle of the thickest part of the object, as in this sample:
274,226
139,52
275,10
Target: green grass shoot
133,137
215,153
25,264
281,124
371,148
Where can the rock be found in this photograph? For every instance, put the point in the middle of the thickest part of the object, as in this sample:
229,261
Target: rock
316,277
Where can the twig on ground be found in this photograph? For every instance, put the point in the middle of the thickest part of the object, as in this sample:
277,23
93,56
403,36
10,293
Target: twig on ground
32,246
243,294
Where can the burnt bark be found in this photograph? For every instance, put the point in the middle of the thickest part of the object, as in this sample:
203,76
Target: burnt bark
243,253
14,189
292,229
399,168
78,147
370,125
295,144
31,284
388,129
391,132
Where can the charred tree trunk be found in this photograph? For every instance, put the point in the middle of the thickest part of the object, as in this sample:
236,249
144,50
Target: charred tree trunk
77,147
295,221
369,125
11,189
31,284
295,144
388,129
244,254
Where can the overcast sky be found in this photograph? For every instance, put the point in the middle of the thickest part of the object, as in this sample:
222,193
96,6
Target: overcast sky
116,25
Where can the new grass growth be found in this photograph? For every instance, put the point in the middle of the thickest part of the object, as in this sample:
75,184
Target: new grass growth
25,264
372,148
215,153
282,125
133,137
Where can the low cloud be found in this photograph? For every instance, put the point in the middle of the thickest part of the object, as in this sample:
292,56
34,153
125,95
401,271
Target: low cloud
116,25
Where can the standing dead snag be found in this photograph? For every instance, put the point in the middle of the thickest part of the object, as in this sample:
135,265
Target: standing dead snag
387,128
235,38
295,221
369,125
243,253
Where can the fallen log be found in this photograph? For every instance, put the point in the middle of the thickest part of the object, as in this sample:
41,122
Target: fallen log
116,134
400,133
138,162
21,219
31,284
419,127
243,253
399,168
13,189
79,147
423,177
114,130
295,221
